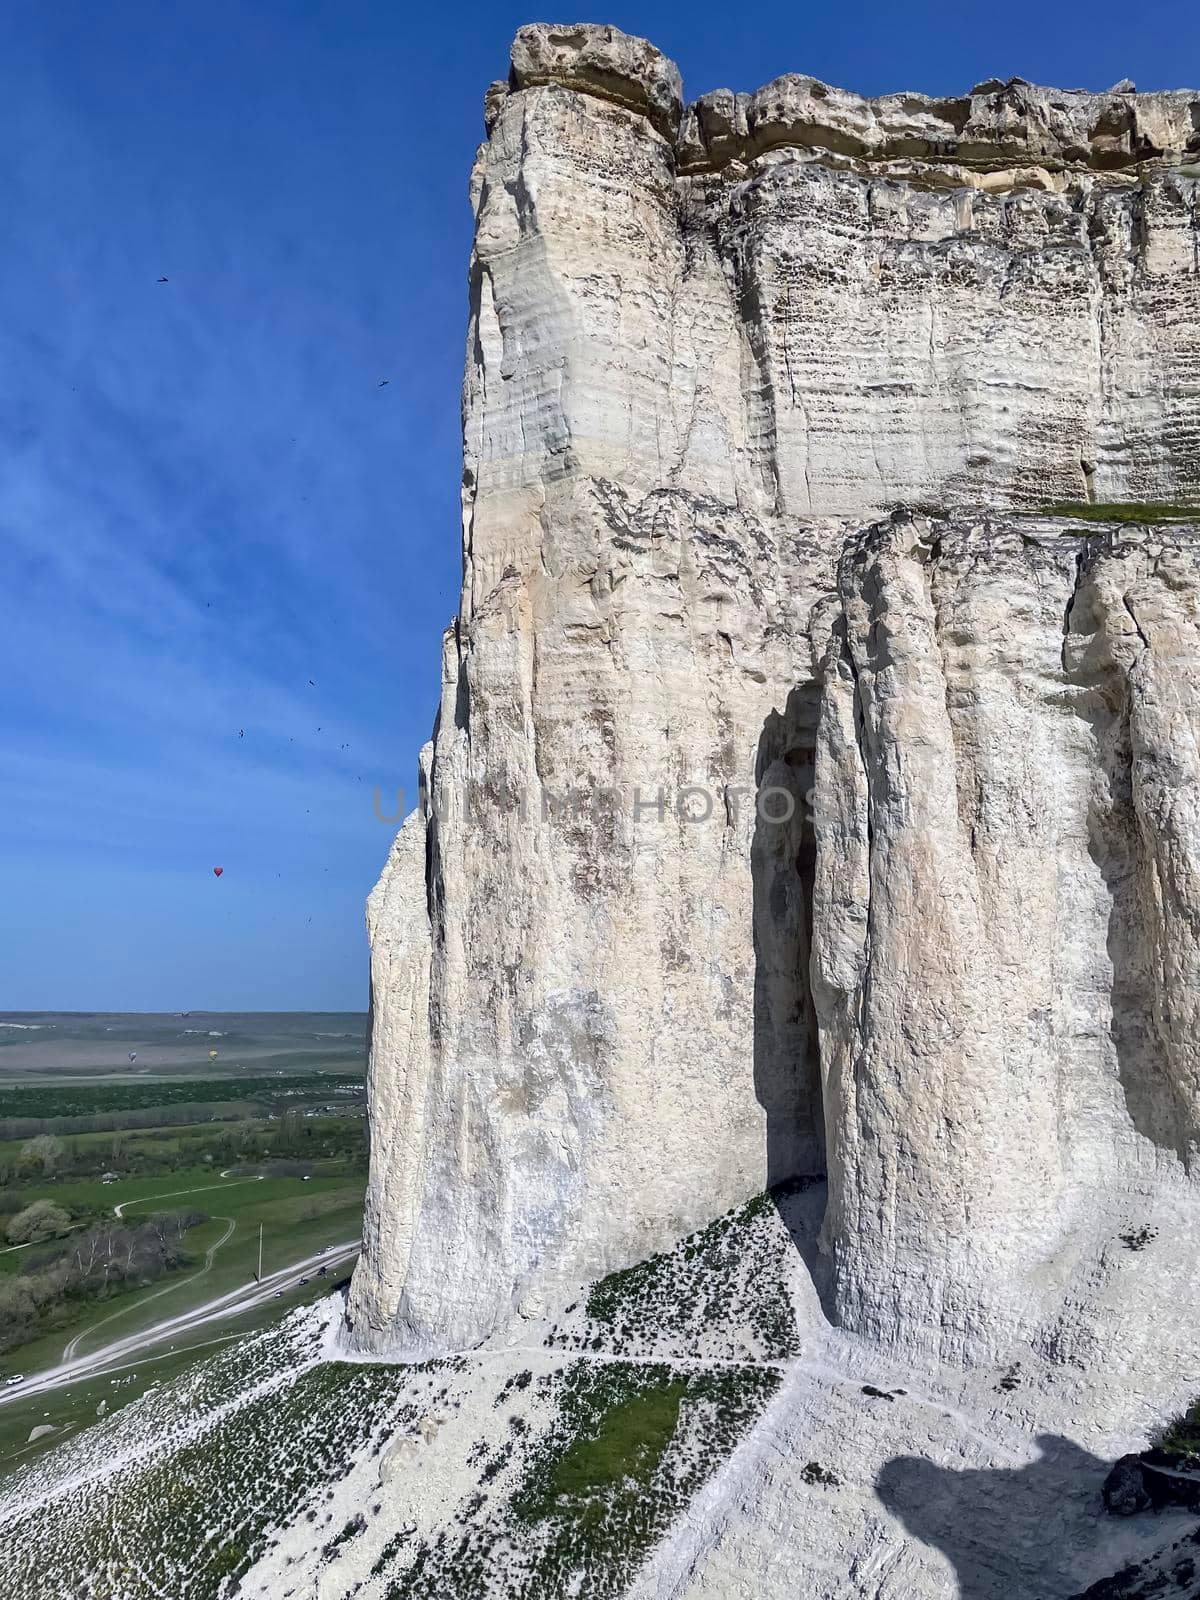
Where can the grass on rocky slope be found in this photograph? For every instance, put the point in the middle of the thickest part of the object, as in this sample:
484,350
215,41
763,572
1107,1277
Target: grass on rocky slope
629,1446
1180,1440
721,1293
616,1444
558,1468
632,1446
1120,511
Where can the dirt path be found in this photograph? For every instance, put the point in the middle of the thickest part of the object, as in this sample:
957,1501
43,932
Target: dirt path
71,1349
171,1194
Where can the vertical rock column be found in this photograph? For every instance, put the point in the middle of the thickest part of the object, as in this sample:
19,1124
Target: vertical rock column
1135,629
597,1072
939,1102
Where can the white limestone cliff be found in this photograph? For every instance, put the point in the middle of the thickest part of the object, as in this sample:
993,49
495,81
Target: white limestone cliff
763,832
1004,917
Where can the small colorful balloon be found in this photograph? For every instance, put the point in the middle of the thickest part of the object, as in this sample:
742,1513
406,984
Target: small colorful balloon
217,871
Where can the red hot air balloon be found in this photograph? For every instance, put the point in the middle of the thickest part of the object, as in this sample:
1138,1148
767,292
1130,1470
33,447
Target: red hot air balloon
217,871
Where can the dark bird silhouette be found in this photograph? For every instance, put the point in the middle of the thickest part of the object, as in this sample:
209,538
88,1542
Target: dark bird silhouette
312,683
241,733
164,280
385,383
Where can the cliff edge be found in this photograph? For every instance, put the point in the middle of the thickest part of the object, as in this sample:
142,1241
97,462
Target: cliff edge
815,787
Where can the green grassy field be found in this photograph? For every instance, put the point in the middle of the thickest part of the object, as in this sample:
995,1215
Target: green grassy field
297,1218
50,1100
71,1410
63,1074
280,1063
182,1145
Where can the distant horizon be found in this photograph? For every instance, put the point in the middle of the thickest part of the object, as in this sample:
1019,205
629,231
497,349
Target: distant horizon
192,1011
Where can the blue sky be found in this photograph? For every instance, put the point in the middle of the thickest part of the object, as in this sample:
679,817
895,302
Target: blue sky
206,498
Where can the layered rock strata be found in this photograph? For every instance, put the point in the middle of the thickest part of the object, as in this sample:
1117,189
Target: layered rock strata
762,830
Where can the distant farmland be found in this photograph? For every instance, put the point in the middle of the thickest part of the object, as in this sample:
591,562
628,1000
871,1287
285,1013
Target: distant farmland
48,1102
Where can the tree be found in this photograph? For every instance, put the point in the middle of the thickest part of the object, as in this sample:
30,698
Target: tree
292,1128
18,1314
39,1221
44,1151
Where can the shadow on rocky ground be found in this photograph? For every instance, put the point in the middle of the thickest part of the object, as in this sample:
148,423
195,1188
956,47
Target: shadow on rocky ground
1037,1532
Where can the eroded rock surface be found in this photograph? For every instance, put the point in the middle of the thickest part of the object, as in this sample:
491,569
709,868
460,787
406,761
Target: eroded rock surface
1004,946
710,350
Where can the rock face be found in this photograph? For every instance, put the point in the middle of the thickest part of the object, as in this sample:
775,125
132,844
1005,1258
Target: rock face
1005,915
763,830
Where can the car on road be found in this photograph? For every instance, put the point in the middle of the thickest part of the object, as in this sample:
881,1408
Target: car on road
279,1294
9,1382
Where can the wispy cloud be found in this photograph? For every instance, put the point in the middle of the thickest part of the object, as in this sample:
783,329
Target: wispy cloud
227,552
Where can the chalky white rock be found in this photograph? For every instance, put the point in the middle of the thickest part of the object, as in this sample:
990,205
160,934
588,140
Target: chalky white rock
801,799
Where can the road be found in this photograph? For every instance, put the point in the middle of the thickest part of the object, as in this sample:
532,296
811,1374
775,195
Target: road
71,1349
232,1304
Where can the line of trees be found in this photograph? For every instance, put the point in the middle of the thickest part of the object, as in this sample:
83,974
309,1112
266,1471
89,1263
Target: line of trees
176,1116
102,1259
46,1157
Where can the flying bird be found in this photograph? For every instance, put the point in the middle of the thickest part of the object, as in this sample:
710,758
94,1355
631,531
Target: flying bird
164,280
385,383
241,733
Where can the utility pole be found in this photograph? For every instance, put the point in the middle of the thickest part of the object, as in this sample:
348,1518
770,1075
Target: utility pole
260,1229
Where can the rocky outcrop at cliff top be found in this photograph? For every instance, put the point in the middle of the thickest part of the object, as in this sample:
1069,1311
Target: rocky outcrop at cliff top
768,828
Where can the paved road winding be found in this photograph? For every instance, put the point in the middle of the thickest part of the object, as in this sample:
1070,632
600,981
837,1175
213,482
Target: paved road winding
231,1304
